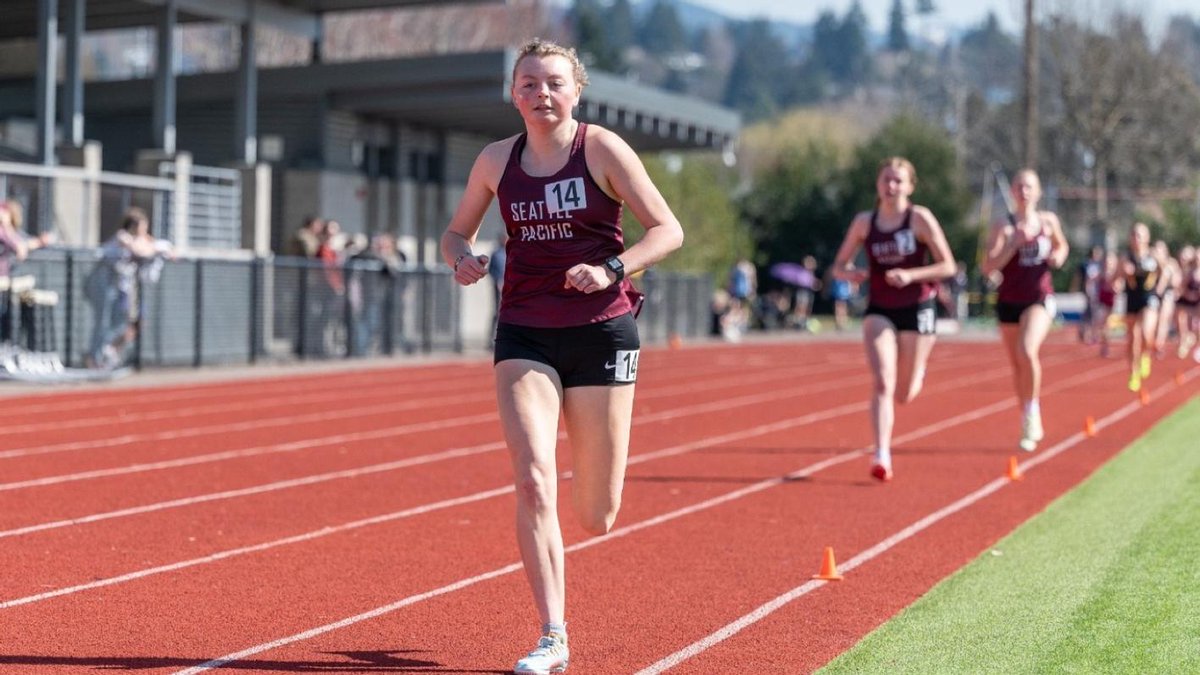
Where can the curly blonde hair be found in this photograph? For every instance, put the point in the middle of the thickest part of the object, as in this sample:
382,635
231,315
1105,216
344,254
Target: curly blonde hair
542,48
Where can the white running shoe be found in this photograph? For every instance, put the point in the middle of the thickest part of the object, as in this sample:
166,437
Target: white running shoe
550,656
1031,432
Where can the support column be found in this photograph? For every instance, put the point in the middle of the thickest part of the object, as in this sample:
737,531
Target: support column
72,112
80,196
47,76
256,208
246,97
164,78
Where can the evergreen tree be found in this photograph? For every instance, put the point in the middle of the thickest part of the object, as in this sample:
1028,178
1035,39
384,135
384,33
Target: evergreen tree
897,33
991,58
795,208
592,37
855,59
825,42
840,47
661,31
759,82
621,28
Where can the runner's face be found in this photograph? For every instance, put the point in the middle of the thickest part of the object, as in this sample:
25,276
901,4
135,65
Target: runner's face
1026,190
894,185
544,89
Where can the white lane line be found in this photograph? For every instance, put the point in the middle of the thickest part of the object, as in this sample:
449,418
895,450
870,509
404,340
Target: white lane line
411,404
308,536
620,532
455,453
389,432
883,546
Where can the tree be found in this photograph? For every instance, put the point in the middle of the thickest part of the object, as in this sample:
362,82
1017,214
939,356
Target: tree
840,47
795,207
592,37
897,33
758,82
661,31
855,59
990,59
1128,109
698,188
621,29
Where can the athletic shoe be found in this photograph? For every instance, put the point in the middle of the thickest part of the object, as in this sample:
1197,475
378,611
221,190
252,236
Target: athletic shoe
881,469
1145,366
1031,432
1031,427
1135,381
550,656
1185,345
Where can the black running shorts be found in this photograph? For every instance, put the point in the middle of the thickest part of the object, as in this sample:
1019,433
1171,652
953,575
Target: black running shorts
1010,312
919,318
595,355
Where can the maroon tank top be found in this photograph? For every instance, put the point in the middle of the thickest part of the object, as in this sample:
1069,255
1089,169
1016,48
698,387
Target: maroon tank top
554,223
1026,275
899,248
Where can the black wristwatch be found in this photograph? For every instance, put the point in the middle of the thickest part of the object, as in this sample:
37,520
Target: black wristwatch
617,267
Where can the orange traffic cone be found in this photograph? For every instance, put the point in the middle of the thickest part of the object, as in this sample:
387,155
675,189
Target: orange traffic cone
829,570
1089,427
1144,396
1014,469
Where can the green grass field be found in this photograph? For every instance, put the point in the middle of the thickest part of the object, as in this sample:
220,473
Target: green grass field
1106,580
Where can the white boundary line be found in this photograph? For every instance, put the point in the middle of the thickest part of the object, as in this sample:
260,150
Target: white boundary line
413,511
454,453
618,533
883,546
411,404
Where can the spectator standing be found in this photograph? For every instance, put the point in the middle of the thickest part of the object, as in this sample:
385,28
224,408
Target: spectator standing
113,287
305,241
807,287
373,274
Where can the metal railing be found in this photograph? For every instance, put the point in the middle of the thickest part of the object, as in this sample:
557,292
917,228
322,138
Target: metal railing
214,207
73,202
208,311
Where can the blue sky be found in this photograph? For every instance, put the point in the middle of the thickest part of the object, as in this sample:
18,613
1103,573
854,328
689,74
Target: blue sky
954,13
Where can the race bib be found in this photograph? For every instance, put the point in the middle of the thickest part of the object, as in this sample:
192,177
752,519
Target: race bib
624,365
566,195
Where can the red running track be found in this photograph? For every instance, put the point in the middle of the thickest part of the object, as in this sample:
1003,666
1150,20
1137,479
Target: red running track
362,521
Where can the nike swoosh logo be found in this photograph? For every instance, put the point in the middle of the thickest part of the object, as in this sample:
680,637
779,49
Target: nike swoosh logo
610,366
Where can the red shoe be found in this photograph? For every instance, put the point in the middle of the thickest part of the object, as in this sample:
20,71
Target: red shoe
881,472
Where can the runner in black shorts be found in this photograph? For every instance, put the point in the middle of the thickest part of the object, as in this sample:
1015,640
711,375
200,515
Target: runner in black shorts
566,343
907,255
1141,303
1024,247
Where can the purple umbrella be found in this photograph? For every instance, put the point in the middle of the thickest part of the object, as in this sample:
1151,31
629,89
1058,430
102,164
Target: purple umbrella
794,274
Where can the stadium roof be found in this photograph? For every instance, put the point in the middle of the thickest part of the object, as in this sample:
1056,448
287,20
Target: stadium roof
461,92
297,16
